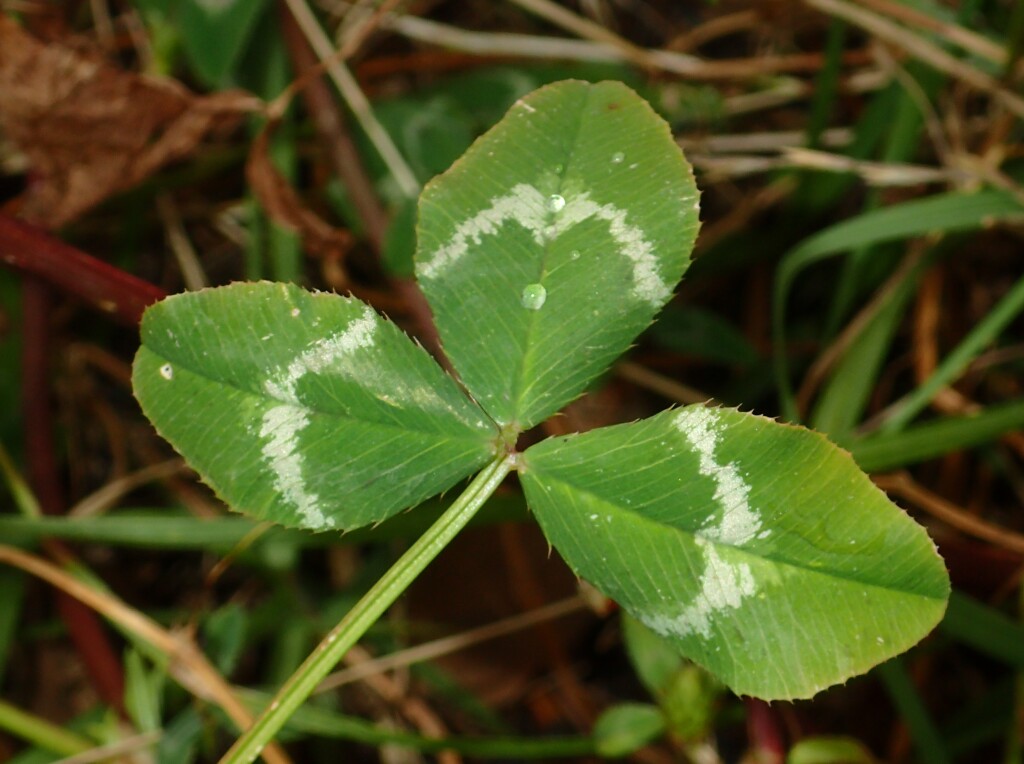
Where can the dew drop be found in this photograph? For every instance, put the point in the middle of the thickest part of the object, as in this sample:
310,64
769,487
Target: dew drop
575,254
534,296
295,312
618,157
556,203
167,371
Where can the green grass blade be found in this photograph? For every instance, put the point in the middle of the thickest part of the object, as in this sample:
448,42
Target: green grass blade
911,707
175,529
310,720
41,732
985,629
985,332
845,395
882,452
947,212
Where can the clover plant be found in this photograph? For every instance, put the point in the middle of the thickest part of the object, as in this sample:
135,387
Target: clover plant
757,548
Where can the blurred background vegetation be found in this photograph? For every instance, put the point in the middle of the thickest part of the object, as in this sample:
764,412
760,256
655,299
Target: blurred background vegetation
859,270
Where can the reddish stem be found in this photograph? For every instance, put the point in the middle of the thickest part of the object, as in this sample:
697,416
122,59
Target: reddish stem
87,634
31,250
48,263
764,732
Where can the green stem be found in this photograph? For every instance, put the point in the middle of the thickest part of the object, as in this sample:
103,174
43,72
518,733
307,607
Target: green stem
310,720
18,486
42,733
366,612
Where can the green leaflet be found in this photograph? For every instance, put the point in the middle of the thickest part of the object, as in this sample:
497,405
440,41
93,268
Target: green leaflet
305,409
214,35
552,243
758,548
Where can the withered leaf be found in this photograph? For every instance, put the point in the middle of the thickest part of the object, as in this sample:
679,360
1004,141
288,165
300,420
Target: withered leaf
285,206
90,129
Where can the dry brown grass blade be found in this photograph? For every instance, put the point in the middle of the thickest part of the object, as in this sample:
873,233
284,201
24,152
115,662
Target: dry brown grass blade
958,35
919,48
827,360
448,645
102,499
284,206
567,49
879,174
902,485
107,753
395,694
659,383
357,101
186,663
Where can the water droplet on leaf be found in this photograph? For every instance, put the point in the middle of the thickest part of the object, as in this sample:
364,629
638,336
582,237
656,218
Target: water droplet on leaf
575,254
556,203
534,296
618,157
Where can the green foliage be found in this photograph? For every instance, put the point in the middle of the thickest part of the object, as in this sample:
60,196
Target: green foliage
548,211
829,750
225,636
654,659
623,729
686,693
722,531
317,412
689,703
951,212
758,549
213,34
143,691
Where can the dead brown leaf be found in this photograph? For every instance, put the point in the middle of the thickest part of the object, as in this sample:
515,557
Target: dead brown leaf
90,129
284,206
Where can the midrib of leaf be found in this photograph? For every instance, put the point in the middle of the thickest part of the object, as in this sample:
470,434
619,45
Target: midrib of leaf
523,362
315,411
638,518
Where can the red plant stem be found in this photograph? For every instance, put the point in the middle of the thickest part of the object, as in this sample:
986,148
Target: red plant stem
87,634
764,732
31,250
47,263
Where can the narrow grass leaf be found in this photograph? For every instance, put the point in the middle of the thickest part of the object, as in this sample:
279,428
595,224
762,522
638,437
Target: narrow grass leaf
888,451
985,629
943,213
314,411
911,706
980,336
553,242
845,395
214,35
758,548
